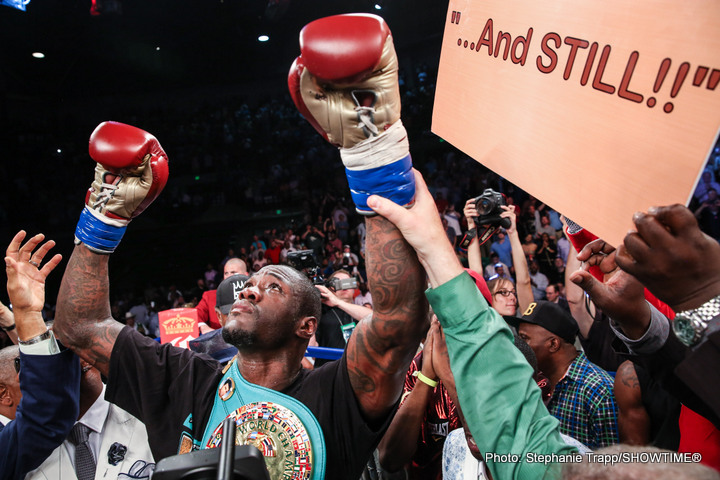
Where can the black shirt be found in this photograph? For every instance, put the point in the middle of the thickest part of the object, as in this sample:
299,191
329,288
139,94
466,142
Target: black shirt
163,385
329,332
663,410
598,345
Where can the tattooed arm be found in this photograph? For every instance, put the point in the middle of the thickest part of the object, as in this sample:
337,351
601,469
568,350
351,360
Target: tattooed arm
131,172
381,348
633,418
82,319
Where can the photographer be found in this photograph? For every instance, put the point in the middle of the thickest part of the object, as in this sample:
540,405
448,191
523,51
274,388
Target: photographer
314,239
522,284
340,314
546,253
347,261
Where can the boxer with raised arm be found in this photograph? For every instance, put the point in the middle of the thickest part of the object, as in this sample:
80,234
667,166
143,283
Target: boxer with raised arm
317,424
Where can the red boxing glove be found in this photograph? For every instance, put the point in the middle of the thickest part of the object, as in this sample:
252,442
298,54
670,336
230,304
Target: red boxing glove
131,172
345,83
347,63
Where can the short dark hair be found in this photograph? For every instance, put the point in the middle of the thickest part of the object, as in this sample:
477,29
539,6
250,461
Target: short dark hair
308,302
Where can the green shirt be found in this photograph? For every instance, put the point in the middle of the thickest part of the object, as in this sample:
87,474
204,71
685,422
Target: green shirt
499,399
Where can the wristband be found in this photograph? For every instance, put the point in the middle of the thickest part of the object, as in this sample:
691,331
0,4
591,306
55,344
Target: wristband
394,181
468,238
9,329
37,338
97,235
427,381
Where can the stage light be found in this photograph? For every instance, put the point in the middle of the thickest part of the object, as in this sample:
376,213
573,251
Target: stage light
19,4
38,55
263,38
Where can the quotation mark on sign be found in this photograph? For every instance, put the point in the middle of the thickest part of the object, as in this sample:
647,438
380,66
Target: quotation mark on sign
698,79
455,17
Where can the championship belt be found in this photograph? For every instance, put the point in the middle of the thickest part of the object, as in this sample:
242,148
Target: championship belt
281,427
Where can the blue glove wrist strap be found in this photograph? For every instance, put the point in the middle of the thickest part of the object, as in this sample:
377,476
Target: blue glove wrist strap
97,235
394,181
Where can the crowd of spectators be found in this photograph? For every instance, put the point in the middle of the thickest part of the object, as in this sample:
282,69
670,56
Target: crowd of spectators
257,156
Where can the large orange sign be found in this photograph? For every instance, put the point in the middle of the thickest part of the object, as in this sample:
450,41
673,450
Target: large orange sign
597,108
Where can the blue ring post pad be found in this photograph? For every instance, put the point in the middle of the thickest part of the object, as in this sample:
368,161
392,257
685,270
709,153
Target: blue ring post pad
394,181
97,235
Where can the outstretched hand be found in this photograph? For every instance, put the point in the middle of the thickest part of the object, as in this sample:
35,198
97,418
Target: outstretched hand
669,254
621,296
420,225
598,253
26,278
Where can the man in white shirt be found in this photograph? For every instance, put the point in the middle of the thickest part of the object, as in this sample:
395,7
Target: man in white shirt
116,440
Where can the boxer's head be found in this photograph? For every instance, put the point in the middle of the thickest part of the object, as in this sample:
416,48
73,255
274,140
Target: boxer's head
278,307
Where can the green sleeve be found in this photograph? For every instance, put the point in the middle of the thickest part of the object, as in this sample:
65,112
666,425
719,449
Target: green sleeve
500,400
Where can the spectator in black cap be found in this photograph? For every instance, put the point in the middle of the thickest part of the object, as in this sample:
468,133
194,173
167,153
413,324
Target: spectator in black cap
227,293
213,343
582,398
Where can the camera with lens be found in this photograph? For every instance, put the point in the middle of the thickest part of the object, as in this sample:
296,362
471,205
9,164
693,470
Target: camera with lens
338,284
489,207
304,260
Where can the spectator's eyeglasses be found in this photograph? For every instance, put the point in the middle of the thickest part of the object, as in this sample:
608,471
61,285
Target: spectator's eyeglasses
505,293
17,365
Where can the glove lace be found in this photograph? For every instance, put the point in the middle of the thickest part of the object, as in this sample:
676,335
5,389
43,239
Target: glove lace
365,114
106,193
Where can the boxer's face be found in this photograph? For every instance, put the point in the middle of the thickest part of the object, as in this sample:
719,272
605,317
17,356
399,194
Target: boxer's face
263,316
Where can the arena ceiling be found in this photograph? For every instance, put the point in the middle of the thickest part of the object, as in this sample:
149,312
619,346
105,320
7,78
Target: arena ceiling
147,45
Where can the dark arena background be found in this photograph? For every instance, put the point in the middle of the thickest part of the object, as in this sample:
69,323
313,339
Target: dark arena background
194,74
